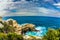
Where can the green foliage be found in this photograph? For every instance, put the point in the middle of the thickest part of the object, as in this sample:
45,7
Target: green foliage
3,36
14,36
1,30
7,33
10,36
7,29
52,34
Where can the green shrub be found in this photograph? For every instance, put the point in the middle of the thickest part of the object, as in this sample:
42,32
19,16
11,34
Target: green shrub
10,36
13,36
7,29
3,36
52,34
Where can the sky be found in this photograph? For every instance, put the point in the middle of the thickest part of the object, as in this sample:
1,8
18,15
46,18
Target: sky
30,8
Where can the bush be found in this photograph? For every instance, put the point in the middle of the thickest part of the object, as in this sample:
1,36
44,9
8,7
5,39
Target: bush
3,36
14,36
7,29
10,36
52,34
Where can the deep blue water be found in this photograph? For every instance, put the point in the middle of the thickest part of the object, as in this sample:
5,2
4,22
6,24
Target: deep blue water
41,22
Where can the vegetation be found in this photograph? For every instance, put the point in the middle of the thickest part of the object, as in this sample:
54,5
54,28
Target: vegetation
52,34
7,29
7,33
3,36
14,36
10,36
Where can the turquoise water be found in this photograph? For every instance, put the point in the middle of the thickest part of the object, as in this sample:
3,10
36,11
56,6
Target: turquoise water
42,23
42,31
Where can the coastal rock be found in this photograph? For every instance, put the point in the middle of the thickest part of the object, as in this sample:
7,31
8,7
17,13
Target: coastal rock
14,24
18,28
28,27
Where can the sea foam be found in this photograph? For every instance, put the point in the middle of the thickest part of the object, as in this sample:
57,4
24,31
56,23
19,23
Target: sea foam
41,32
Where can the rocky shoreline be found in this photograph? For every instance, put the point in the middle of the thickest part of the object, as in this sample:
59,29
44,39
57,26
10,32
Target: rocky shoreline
18,29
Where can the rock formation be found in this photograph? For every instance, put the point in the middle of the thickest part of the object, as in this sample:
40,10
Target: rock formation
14,24
18,28
28,27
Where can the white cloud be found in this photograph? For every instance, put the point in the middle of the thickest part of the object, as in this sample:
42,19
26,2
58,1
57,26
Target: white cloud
6,0
21,14
3,4
48,12
2,13
25,9
41,12
57,5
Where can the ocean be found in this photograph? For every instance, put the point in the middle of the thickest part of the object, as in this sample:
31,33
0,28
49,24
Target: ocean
42,23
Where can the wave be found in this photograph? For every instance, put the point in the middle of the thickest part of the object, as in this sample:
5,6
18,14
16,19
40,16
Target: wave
42,31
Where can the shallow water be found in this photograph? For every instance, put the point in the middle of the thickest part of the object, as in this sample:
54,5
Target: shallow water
42,31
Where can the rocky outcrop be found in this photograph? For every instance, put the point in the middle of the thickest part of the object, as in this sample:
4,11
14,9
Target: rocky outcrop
28,27
21,29
14,24
18,28
11,25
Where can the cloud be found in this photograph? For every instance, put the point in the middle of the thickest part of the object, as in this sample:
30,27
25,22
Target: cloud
21,14
26,9
48,12
3,4
57,5
40,11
